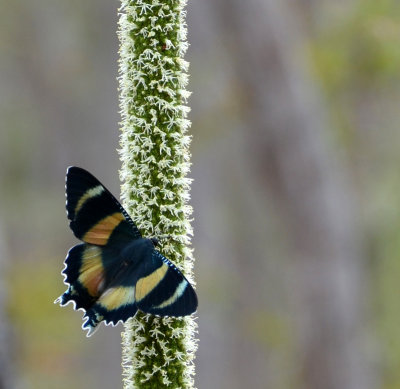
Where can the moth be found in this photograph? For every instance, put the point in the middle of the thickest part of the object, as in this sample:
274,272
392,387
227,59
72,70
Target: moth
115,271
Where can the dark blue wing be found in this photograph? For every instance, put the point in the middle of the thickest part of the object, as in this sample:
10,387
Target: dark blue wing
97,283
163,290
95,215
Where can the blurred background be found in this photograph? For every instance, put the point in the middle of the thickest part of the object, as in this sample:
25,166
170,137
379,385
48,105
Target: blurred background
296,193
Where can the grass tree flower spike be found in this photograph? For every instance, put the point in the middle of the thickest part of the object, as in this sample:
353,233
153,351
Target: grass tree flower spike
154,149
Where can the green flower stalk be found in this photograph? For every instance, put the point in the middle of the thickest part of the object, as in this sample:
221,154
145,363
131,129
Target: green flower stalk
154,150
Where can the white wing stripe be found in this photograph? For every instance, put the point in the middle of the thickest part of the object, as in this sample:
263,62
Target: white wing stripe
178,293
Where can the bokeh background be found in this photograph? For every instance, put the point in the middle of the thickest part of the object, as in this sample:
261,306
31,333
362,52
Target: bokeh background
296,193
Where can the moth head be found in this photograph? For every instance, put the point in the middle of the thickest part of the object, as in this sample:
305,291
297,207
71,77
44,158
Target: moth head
154,241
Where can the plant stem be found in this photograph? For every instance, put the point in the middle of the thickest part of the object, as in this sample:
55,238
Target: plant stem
154,151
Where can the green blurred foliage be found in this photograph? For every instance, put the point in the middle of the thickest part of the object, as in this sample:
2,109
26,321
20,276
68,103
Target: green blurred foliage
356,56
47,358
356,53
360,49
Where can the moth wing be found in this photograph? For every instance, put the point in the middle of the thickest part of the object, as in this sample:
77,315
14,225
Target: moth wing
117,300
84,274
116,304
162,289
98,283
95,215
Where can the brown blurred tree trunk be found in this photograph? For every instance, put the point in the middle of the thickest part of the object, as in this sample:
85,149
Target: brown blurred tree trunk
288,136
